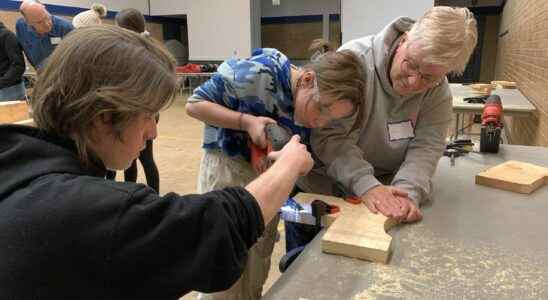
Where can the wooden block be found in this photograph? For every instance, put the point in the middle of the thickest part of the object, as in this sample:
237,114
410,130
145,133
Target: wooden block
505,84
514,176
482,88
354,231
13,111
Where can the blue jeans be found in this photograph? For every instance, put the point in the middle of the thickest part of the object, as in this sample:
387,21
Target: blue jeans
13,93
298,235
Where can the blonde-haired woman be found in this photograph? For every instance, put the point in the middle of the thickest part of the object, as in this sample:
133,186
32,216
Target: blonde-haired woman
94,107
90,17
390,160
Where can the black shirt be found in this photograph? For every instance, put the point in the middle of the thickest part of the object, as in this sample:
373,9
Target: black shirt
12,63
67,233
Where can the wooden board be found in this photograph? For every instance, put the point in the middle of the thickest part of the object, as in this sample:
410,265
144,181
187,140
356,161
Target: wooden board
514,176
13,111
354,231
505,84
482,88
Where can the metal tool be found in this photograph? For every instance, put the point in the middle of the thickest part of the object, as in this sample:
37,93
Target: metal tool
311,213
491,125
458,148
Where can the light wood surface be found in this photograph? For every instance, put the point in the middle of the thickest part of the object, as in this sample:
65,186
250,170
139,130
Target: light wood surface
505,84
354,231
482,88
514,176
13,111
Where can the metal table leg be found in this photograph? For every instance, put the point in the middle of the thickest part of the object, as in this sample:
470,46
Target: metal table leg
456,134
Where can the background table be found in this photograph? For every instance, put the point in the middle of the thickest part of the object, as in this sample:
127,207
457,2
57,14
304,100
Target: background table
183,76
514,103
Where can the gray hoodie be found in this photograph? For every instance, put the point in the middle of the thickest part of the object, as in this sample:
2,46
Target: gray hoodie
355,161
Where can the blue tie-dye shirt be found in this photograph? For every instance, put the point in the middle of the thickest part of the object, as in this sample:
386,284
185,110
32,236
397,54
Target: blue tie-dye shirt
260,86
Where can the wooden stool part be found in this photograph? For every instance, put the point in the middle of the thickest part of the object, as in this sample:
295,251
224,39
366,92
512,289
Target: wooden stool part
514,176
354,231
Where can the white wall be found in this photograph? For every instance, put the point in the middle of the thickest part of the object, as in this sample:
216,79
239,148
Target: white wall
300,7
365,17
114,5
217,29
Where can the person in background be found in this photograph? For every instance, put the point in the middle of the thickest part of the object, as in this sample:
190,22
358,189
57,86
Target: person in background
133,20
12,67
90,17
38,32
389,160
240,100
67,233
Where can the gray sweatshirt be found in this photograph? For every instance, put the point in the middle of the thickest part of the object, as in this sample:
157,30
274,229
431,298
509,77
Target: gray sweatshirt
356,160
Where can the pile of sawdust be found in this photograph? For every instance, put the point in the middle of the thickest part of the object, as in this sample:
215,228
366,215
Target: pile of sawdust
480,271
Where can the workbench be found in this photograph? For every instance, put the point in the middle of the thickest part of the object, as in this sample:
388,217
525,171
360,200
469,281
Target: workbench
514,103
474,242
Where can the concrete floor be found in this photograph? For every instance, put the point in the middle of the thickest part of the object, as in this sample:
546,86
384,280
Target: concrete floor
177,152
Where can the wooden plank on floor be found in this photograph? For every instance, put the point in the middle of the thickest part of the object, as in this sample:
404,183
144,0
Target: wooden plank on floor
13,111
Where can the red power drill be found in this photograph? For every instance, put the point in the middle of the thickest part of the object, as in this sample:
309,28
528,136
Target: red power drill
276,138
491,124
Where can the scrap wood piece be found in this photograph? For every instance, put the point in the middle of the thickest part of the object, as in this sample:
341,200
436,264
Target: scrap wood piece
354,231
505,84
514,176
482,88
13,111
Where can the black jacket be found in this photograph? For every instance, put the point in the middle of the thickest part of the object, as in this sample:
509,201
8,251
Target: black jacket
67,233
12,63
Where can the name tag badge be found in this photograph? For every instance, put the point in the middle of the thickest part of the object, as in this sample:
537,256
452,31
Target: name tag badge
55,40
401,130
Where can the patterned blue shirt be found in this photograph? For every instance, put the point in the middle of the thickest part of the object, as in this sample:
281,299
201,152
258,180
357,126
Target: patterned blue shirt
260,86
39,47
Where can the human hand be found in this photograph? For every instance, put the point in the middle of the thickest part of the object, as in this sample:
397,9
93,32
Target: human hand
295,154
388,200
414,213
255,127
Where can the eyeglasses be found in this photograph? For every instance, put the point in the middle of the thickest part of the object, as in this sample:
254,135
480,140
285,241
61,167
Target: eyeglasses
413,70
320,107
324,112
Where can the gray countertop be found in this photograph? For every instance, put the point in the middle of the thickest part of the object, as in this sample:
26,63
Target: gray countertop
474,242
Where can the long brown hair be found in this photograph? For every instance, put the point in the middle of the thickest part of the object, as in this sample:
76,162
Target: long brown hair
101,70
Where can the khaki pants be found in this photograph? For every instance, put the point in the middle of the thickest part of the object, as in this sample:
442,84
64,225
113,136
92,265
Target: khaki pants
218,171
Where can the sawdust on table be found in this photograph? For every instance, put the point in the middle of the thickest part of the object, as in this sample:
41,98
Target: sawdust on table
481,271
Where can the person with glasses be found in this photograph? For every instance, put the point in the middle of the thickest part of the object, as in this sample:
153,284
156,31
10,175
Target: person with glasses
241,99
38,32
389,160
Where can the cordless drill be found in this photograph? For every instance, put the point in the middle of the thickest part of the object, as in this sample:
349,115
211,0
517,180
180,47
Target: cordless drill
491,125
276,138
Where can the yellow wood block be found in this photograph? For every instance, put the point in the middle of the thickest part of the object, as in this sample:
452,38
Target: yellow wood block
13,111
514,176
482,88
505,84
354,231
